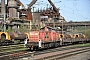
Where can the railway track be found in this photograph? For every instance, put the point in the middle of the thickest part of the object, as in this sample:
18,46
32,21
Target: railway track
61,54
11,47
5,50
52,54
11,43
20,52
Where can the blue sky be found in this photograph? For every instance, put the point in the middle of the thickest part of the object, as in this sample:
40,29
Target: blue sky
75,10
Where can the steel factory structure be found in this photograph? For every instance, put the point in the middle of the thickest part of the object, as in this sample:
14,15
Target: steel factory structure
12,15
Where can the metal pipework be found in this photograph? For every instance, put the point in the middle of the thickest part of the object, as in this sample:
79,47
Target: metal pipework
32,3
3,10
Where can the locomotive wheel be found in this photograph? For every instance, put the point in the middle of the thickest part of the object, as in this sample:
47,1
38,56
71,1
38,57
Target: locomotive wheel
32,48
35,48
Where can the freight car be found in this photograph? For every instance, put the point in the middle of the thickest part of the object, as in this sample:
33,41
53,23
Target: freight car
47,38
7,38
72,38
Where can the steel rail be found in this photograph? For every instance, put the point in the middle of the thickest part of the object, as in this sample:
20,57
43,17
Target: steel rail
61,54
48,51
30,54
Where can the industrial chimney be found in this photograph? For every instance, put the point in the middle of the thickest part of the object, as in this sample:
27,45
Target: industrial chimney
12,7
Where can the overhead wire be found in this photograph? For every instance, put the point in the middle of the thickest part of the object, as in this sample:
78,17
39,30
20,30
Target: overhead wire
73,10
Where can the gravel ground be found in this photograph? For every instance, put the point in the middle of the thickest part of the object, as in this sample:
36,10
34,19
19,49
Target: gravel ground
82,56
